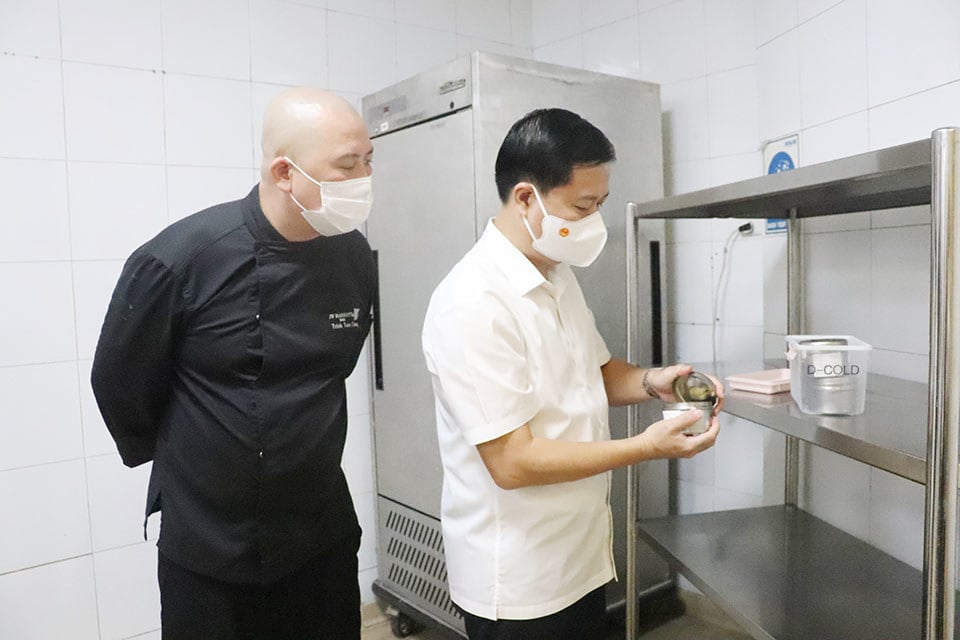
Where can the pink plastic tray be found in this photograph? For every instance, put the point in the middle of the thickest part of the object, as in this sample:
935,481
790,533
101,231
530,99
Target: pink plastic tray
767,381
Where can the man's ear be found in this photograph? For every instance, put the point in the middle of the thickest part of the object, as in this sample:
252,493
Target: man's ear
522,195
280,171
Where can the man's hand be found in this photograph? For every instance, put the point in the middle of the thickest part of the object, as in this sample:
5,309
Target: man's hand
666,439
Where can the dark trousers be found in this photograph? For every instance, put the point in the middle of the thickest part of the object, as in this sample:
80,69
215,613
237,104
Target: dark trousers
317,602
583,620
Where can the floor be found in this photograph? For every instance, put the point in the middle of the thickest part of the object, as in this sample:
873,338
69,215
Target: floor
703,621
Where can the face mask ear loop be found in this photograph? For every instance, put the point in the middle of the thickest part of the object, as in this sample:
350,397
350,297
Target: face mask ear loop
543,210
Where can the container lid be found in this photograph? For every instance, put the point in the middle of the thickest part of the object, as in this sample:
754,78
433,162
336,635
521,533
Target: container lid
806,343
694,387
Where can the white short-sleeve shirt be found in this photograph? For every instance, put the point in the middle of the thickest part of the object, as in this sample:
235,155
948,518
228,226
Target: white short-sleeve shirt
506,346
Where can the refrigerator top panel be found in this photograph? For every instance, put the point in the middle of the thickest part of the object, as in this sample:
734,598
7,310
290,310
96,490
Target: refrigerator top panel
425,96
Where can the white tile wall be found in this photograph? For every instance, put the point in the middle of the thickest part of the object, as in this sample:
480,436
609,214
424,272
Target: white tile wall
567,52
909,366
911,50
32,185
51,521
686,175
672,42
686,120
837,490
288,43
915,117
30,28
383,9
208,121
833,63
774,18
689,263
740,301
690,342
26,598
432,14
554,20
838,283
778,86
469,44
896,516
613,48
521,24
809,8
127,593
733,116
419,48
775,286
730,34
741,166
596,14
117,501
362,52
210,38
840,138
41,415
114,32
901,288
192,189
488,20
42,330
113,114
111,223
32,123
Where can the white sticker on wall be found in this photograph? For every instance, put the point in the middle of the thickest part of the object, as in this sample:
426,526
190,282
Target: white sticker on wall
780,155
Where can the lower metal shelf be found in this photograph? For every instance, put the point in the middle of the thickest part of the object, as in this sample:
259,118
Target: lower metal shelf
783,574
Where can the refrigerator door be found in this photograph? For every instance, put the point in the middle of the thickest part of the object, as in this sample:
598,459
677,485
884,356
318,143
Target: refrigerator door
421,224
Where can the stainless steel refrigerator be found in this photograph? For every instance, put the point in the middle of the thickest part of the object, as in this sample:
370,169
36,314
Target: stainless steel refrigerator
436,138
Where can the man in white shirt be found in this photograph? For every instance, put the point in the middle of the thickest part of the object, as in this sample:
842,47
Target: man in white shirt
523,382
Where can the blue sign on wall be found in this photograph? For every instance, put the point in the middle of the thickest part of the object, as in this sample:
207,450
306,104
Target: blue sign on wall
780,155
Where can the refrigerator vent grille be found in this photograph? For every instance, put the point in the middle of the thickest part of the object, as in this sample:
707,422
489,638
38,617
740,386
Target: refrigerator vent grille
415,553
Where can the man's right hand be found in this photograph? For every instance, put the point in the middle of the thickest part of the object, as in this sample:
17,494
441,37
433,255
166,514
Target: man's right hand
666,439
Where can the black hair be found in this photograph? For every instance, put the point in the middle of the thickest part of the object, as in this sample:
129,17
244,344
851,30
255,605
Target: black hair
544,147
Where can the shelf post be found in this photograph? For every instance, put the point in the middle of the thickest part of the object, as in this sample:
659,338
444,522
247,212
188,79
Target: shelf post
795,325
943,421
630,229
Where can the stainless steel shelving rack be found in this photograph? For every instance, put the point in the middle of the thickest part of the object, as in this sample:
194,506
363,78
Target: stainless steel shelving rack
779,571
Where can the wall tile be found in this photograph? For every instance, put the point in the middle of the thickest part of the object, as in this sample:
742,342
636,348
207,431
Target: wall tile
30,28
909,366
596,14
192,189
778,85
112,32
32,106
685,121
914,118
839,303
775,300
210,38
41,415
287,44
901,288
695,498
380,9
672,42
208,122
468,44
613,48
128,597
489,20
811,8
896,517
26,598
837,490
911,49
27,185
840,138
117,502
420,49
740,297
733,116
774,18
731,34
689,342
431,14
554,20
742,166
361,52
686,176
688,283
43,329
833,63
51,523
567,52
111,223
113,114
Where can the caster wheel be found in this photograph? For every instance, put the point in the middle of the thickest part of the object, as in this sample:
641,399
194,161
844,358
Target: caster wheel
402,626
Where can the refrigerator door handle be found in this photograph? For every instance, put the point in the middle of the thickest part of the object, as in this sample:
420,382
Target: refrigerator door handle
377,352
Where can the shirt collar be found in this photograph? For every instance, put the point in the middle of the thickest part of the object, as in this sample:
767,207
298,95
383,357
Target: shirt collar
517,268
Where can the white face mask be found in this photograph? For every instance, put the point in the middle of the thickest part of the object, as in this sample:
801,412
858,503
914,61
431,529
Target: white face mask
346,204
577,243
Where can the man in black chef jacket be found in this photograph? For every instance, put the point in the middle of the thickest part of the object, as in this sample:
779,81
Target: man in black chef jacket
223,357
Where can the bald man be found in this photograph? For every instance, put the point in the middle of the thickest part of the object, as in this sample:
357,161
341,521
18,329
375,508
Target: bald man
222,359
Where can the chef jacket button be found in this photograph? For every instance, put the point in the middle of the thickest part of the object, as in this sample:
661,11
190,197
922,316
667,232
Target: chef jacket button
261,455
258,317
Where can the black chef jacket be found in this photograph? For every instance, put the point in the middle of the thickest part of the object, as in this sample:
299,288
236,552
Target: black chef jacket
222,358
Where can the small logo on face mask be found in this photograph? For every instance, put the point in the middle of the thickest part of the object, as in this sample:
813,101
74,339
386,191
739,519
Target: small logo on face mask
564,232
345,319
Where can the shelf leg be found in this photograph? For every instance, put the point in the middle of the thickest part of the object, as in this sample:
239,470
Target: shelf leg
795,325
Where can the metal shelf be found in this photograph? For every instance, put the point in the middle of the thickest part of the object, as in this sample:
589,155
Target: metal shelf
783,574
890,434
893,177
